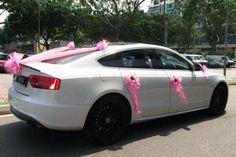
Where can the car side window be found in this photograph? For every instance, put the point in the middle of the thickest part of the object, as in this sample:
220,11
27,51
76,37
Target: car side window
172,61
113,60
139,58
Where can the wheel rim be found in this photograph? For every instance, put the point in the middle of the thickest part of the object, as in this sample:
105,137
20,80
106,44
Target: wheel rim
220,99
108,121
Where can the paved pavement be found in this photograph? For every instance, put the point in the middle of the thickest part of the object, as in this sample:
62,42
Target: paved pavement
5,84
190,135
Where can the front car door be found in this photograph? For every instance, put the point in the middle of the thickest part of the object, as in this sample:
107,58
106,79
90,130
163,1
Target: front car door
193,82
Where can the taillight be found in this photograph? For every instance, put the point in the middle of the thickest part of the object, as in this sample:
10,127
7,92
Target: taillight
43,82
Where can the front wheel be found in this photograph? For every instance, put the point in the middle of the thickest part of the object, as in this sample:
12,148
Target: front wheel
107,121
219,100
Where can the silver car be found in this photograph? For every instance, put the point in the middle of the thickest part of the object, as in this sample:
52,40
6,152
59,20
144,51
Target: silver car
87,91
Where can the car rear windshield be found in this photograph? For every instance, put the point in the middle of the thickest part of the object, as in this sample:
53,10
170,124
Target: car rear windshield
70,59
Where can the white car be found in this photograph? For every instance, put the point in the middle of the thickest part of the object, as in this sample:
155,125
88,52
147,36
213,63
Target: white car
87,91
196,59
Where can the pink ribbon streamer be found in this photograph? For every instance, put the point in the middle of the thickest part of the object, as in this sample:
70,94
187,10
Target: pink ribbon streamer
13,65
205,71
133,84
176,84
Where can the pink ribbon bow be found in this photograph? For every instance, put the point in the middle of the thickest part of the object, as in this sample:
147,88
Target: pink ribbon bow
133,84
176,84
14,66
205,71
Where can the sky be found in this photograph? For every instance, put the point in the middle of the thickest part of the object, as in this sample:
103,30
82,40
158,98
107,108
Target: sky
144,6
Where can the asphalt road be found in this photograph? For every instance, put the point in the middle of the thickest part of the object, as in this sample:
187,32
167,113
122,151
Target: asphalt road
194,134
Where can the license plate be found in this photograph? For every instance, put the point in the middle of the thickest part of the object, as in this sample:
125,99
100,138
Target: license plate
21,79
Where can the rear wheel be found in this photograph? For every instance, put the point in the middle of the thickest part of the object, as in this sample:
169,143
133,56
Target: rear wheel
107,121
219,100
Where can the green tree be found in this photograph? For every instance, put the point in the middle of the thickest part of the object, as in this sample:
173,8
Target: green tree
115,12
213,17
57,19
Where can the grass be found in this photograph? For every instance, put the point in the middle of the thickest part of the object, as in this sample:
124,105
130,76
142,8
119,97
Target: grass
3,102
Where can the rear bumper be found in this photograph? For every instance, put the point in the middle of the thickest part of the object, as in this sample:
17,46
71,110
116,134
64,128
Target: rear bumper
25,117
52,116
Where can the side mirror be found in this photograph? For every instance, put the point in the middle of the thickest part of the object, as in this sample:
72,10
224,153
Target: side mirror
197,67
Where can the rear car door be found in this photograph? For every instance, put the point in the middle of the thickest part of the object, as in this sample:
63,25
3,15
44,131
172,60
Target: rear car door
154,92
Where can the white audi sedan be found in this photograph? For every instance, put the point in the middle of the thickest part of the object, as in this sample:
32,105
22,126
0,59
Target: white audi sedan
87,91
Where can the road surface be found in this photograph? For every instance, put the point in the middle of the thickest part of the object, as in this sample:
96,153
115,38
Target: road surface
190,135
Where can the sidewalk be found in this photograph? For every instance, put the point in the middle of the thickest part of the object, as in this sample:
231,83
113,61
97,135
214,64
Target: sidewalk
4,107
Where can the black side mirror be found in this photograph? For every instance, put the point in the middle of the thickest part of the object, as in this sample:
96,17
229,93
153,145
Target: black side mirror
197,67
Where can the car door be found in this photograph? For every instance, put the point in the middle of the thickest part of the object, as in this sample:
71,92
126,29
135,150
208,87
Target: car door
193,82
154,93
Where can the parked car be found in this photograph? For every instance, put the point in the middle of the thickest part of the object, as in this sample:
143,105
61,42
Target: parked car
220,58
214,64
3,58
88,91
196,58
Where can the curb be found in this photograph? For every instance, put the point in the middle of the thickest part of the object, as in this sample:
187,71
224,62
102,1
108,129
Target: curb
5,109
231,82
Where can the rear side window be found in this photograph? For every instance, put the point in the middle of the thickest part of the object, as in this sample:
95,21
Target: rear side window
113,60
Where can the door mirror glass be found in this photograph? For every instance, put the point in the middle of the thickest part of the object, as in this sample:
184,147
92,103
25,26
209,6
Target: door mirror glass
197,67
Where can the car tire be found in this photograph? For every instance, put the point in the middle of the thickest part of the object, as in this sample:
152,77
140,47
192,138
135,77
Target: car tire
107,121
219,100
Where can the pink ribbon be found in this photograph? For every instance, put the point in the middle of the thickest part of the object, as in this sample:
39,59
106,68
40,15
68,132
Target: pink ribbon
13,65
205,71
176,84
133,84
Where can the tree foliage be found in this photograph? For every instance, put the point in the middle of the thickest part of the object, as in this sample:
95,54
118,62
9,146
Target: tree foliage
92,20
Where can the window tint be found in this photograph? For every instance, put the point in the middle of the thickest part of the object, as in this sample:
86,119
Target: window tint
140,58
113,60
172,61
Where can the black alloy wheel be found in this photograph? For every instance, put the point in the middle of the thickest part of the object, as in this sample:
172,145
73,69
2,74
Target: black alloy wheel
107,121
219,100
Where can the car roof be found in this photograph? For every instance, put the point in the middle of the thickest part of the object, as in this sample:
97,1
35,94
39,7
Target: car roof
113,48
192,55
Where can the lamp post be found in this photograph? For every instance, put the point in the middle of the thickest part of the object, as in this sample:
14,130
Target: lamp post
165,24
226,34
39,25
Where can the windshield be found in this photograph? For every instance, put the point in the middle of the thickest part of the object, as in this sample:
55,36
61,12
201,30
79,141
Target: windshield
71,59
